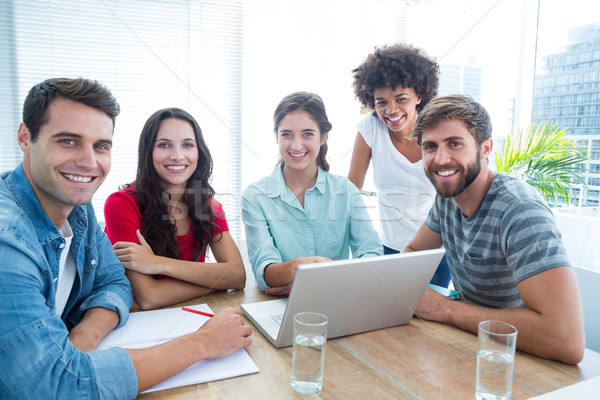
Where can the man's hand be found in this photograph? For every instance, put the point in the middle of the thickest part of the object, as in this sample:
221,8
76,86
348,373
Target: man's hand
137,257
432,306
220,336
224,334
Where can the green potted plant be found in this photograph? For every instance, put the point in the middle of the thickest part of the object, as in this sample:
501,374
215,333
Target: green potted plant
545,157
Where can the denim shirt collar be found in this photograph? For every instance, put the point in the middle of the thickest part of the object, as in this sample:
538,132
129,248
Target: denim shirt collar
276,184
26,199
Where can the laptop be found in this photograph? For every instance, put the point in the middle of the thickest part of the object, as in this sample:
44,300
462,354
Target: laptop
357,295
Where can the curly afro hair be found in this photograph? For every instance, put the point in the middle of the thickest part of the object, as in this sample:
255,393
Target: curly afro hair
393,66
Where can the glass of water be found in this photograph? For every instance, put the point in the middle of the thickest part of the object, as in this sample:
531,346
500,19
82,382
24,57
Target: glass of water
496,343
308,360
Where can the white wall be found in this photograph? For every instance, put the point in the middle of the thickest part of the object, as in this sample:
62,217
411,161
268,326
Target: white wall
581,236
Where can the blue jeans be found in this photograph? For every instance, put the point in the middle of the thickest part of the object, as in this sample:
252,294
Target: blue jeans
441,277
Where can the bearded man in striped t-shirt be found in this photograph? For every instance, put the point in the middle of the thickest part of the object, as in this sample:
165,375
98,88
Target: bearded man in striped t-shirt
503,248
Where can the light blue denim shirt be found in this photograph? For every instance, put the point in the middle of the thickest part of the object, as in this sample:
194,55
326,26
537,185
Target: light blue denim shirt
334,221
37,359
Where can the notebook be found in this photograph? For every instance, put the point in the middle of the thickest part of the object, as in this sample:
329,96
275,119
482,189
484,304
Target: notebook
584,390
357,295
148,328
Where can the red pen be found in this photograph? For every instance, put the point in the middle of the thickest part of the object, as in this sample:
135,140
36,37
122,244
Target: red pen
197,312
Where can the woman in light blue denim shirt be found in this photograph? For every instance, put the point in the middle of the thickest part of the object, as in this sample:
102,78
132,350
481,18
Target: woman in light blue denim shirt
301,213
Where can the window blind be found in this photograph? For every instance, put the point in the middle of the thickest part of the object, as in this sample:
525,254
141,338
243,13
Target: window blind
227,62
151,54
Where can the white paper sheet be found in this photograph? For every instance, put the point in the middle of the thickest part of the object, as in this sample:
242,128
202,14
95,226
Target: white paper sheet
149,328
588,389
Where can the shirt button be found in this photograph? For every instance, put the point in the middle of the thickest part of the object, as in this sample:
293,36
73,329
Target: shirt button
55,279
62,246
312,252
93,262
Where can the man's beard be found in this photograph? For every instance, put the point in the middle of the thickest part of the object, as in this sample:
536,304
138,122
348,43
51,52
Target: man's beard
468,175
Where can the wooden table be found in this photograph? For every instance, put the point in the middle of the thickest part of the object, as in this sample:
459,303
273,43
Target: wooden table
420,360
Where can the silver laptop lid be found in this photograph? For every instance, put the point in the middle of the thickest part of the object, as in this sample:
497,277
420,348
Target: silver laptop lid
360,294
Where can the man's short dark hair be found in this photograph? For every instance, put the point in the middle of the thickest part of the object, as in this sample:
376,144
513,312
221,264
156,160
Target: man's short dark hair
455,107
89,92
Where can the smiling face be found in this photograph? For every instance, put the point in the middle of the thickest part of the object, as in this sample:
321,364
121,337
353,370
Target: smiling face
397,108
299,141
175,153
451,157
69,159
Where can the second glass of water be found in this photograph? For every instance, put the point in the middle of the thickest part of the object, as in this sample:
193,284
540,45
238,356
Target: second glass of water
308,360
496,343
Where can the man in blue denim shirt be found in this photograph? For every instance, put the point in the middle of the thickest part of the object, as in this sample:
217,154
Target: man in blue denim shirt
62,288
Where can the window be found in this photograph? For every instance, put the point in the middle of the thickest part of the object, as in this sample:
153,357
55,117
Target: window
595,168
574,40
229,62
149,54
595,150
594,181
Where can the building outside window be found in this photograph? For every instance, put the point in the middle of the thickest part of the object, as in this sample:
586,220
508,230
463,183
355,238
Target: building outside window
568,95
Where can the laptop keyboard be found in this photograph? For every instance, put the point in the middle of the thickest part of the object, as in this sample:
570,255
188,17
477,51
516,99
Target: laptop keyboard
277,319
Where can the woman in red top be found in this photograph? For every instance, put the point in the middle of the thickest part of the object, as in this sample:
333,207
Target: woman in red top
163,223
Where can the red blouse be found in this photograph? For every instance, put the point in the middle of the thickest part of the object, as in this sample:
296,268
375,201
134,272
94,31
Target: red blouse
123,218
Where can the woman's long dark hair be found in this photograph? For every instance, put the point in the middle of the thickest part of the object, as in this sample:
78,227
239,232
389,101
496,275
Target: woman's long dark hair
158,227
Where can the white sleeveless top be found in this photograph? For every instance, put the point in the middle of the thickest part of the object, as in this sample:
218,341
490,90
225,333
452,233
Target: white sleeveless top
404,192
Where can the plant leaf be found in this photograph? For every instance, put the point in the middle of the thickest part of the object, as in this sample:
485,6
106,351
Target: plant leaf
546,158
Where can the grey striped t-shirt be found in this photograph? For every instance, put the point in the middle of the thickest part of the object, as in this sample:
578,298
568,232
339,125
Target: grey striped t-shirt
510,237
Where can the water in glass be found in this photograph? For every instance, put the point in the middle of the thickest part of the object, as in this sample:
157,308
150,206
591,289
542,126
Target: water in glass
494,375
308,362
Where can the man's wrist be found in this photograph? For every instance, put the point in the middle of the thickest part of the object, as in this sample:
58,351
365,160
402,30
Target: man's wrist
94,326
198,341
85,338
453,310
